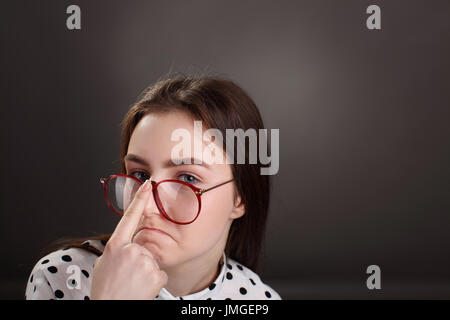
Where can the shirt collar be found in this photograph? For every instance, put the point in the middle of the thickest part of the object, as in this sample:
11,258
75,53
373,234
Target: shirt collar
204,294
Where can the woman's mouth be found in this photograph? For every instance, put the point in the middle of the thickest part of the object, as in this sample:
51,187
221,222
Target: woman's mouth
158,231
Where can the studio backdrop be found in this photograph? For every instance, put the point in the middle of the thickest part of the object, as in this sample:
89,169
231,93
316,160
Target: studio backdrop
360,95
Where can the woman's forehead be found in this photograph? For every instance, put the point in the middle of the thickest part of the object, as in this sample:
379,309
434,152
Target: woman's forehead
156,130
158,137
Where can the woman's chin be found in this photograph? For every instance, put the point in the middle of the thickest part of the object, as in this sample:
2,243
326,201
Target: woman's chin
154,245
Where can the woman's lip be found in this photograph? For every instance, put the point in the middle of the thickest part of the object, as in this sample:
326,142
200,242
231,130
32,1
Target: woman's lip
157,230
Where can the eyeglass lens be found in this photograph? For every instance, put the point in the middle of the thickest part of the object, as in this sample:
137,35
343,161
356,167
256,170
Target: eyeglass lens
176,200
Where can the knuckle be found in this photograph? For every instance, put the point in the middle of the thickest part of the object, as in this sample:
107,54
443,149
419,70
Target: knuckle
148,253
132,250
129,214
126,217
141,195
110,247
148,264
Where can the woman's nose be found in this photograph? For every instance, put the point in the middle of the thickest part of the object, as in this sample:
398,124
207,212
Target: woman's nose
150,206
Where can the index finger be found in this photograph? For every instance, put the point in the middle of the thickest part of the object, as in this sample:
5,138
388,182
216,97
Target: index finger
127,225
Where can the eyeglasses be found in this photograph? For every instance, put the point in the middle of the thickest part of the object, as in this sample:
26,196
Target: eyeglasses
178,201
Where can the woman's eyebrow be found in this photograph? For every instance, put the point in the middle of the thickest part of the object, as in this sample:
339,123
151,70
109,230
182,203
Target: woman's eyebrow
186,162
137,159
168,163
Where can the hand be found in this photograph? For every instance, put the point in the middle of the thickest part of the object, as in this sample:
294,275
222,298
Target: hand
126,270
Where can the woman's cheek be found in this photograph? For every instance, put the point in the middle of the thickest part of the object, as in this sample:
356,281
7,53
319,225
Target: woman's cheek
206,231
210,225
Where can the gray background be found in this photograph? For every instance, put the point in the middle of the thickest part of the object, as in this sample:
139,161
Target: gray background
363,118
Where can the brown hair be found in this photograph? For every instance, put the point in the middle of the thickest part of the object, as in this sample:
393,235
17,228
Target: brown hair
220,104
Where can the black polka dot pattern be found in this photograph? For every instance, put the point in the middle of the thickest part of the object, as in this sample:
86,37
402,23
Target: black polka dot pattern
52,269
59,294
66,258
49,280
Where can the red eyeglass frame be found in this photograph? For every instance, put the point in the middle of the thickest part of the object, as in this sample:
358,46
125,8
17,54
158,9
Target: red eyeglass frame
197,191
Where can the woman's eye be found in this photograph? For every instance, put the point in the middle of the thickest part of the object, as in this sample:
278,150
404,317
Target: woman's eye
140,175
188,178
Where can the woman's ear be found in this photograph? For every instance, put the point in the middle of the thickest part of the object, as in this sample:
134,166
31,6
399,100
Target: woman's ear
239,208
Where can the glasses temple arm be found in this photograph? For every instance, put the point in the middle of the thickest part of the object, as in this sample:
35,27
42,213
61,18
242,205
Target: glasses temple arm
205,190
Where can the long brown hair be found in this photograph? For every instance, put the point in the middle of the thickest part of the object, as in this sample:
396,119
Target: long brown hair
221,104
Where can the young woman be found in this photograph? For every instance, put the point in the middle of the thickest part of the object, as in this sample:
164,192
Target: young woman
188,231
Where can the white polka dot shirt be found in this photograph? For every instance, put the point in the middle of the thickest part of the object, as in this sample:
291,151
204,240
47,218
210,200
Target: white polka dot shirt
67,274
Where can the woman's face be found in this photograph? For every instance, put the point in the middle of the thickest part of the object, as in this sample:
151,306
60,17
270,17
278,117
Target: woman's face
206,236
